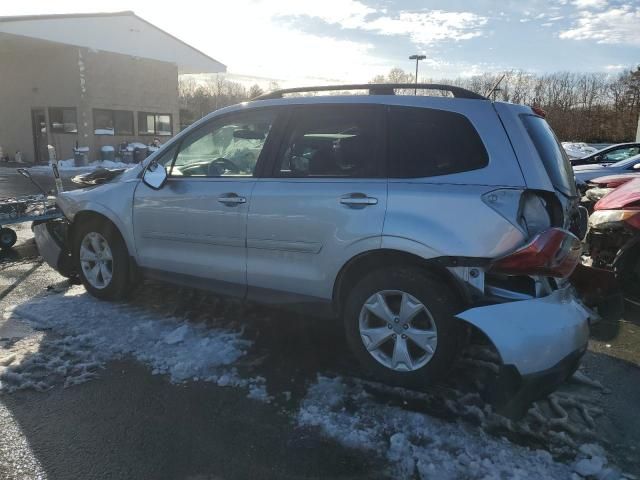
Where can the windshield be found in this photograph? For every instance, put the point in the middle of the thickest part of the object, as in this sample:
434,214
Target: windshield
553,156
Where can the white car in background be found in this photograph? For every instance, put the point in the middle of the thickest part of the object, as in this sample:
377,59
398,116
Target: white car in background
578,149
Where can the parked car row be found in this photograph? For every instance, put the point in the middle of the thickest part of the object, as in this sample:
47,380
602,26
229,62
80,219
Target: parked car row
613,239
611,154
416,220
608,182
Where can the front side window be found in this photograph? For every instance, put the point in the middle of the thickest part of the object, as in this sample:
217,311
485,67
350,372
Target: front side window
229,147
63,120
158,124
621,154
425,142
112,122
332,141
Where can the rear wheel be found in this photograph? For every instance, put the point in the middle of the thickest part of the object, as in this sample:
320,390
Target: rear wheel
399,323
8,238
102,260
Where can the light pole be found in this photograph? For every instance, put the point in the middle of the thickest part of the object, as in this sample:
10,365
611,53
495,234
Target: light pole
417,58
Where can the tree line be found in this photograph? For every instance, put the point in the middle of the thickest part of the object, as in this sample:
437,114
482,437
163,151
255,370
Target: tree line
587,107
199,97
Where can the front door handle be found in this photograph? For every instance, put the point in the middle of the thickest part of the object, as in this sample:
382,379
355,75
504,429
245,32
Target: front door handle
358,200
232,199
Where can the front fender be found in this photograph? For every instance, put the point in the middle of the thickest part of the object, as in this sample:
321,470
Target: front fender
112,200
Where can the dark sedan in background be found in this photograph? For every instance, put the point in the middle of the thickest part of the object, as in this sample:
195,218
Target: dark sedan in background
610,154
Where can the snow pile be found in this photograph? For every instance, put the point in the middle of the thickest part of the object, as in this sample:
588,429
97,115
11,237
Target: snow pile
421,446
69,164
133,145
85,333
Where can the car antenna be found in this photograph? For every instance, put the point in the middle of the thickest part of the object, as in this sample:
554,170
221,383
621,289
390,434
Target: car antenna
493,90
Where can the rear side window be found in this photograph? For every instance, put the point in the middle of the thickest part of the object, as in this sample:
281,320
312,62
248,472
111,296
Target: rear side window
331,141
425,142
553,156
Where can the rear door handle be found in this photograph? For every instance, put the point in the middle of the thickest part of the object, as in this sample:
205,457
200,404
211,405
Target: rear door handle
358,200
232,199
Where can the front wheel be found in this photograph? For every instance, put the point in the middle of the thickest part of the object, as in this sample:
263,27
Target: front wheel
399,323
102,261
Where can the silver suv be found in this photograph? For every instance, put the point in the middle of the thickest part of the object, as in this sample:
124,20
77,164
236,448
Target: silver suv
414,219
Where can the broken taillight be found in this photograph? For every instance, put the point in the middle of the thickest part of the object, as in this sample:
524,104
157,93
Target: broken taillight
553,253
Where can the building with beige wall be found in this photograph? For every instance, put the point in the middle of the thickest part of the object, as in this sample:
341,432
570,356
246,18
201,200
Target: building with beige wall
91,80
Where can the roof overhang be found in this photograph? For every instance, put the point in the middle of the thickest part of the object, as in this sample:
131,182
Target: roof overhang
119,32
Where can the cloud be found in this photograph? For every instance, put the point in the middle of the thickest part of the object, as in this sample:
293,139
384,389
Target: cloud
346,13
586,4
613,68
614,26
424,27
427,28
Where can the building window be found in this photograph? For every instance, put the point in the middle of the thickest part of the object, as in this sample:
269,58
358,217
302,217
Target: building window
154,124
63,120
112,122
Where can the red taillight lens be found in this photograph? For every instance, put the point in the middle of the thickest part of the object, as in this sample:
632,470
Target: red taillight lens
553,253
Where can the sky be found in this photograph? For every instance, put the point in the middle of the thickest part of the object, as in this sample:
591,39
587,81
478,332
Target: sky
328,41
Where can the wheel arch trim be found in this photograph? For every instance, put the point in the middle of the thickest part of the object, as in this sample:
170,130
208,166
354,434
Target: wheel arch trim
367,259
93,208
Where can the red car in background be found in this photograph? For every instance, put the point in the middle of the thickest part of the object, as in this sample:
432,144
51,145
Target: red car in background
599,187
613,239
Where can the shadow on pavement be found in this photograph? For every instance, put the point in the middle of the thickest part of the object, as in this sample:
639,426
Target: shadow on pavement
131,424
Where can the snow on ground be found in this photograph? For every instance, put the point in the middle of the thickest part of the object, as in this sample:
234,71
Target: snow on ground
421,446
66,338
85,333
69,164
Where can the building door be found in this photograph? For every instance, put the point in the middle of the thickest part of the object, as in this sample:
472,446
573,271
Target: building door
39,126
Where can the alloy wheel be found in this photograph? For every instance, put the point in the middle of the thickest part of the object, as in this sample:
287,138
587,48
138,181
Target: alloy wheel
96,260
398,330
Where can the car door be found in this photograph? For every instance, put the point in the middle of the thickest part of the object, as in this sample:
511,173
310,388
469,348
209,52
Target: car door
194,227
322,202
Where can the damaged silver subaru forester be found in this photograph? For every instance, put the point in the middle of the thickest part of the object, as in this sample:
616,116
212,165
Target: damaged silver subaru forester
415,219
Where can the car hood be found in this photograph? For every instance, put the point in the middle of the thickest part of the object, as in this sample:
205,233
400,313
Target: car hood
590,168
614,180
624,196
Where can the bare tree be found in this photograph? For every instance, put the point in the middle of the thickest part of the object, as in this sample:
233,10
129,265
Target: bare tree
591,107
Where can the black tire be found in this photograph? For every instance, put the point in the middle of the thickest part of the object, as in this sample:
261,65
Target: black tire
118,287
8,238
441,303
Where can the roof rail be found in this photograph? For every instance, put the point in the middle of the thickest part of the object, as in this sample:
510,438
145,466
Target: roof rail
376,89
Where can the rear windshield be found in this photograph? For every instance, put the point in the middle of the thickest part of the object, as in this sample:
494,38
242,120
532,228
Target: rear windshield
552,154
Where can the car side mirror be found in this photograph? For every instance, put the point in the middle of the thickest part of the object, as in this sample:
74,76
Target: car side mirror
155,175
598,158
